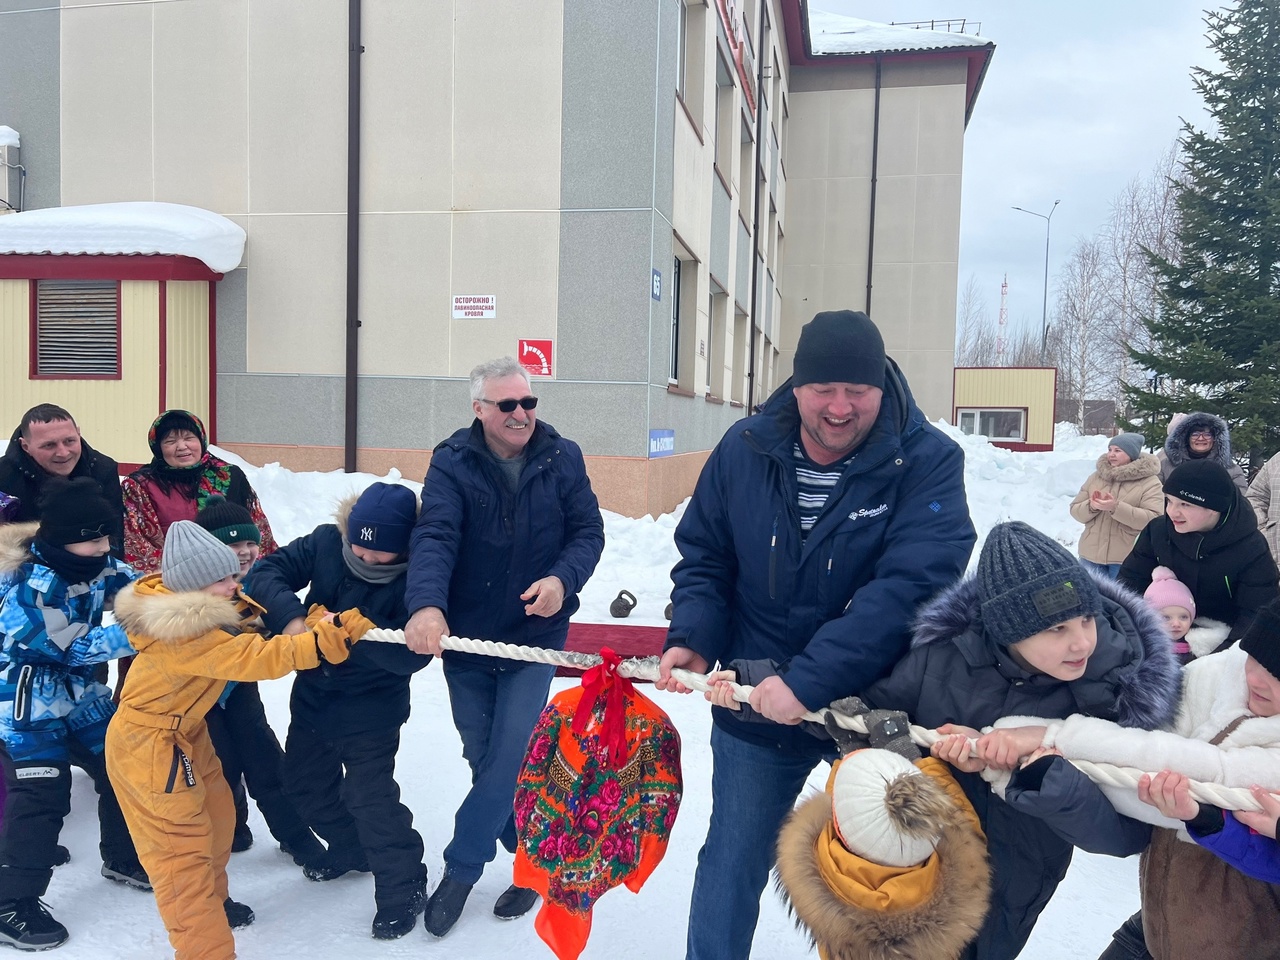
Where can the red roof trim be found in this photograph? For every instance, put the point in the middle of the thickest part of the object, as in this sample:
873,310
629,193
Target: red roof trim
102,266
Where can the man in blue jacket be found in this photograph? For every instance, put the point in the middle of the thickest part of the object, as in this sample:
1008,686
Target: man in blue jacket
816,529
509,532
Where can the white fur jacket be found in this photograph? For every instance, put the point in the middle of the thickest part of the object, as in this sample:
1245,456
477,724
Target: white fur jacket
1214,695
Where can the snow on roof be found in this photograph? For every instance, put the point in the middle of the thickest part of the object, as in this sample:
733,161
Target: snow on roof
140,227
832,34
8,137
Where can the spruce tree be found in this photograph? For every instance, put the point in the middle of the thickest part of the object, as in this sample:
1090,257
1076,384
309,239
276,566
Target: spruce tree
1216,334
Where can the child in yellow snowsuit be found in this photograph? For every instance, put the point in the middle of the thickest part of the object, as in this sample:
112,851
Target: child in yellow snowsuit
188,624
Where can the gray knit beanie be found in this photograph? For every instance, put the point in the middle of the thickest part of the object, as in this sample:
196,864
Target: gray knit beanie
1130,443
1028,582
193,558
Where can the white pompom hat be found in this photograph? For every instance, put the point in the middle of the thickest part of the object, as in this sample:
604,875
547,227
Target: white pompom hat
886,810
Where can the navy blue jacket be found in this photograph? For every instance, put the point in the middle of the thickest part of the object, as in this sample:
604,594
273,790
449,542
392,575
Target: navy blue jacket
370,690
953,674
477,547
833,612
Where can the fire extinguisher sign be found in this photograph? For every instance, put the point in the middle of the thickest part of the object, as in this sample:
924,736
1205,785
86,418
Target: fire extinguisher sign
536,357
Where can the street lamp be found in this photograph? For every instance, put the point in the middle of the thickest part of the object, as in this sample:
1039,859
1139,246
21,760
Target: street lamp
1044,310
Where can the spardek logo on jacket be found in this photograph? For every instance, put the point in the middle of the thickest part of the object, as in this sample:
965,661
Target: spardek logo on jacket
872,512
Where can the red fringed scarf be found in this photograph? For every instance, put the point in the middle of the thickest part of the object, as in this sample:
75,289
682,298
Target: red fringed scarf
595,802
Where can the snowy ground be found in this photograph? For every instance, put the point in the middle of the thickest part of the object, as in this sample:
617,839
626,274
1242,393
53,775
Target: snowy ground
296,918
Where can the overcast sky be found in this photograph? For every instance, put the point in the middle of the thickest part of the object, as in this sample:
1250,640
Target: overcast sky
1078,99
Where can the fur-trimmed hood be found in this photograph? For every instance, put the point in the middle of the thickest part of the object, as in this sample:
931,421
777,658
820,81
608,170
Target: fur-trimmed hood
1177,447
1147,465
15,546
939,928
150,612
1206,635
1134,660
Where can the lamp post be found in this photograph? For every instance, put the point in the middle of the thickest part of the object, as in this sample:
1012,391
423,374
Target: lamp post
1044,309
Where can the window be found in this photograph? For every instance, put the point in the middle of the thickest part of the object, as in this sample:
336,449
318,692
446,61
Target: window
996,424
682,47
725,124
674,373
75,330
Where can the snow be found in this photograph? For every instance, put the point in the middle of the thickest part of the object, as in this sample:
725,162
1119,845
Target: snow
135,227
296,918
832,34
9,137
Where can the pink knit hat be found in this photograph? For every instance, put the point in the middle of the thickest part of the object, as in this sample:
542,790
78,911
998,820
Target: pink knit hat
1167,590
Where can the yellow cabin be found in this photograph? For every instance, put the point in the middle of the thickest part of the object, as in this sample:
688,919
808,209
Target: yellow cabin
1011,406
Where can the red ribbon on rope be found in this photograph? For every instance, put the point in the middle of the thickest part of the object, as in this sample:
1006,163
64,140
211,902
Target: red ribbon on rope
604,681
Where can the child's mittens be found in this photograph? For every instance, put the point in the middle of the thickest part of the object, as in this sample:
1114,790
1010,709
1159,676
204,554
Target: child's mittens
356,623
891,730
332,641
315,614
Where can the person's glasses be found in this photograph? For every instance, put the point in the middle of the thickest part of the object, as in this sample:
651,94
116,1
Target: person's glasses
1202,435
509,406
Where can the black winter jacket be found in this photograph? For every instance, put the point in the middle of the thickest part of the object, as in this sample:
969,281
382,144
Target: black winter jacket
20,477
954,675
370,690
1229,570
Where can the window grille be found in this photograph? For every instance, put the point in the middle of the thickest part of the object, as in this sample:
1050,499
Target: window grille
77,330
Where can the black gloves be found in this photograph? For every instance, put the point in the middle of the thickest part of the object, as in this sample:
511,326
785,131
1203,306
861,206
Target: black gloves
891,730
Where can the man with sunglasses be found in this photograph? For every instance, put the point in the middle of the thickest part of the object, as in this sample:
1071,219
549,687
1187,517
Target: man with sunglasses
509,532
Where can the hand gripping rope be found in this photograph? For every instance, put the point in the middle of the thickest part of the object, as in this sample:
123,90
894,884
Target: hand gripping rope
646,668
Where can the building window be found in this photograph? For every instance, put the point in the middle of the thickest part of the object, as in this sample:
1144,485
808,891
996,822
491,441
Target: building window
682,47
994,424
674,373
75,330
725,125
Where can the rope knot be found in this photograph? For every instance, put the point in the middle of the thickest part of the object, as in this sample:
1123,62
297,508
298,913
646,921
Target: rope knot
604,682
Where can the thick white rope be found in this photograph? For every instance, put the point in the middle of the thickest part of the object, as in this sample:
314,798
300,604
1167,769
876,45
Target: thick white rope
646,668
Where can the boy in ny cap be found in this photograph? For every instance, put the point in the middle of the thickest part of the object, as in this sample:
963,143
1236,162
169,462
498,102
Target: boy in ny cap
345,727
58,579
246,745
189,624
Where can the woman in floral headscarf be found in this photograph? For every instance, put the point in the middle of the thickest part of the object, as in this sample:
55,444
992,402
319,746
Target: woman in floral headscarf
181,476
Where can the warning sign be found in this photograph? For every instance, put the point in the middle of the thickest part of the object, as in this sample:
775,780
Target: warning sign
474,306
535,357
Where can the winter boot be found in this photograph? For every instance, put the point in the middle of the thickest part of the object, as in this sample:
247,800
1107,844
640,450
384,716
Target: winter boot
61,856
238,914
391,923
27,925
128,872
305,849
514,902
242,839
334,864
1128,942
445,906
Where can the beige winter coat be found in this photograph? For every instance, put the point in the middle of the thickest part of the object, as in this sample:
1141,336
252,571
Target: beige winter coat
1108,537
1264,494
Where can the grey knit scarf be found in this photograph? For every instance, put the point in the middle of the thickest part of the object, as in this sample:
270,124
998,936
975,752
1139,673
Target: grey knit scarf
378,573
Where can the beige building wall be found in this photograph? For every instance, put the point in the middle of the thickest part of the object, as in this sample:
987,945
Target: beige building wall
917,209
113,414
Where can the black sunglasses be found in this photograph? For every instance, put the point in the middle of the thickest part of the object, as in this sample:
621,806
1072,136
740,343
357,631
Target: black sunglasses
509,406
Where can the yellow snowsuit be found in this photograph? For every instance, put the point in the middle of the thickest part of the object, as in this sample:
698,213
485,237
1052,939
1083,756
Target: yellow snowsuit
159,755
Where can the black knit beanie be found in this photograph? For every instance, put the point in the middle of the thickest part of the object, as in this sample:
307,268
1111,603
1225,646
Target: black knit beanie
229,522
1204,483
75,511
1262,640
383,518
1028,582
839,346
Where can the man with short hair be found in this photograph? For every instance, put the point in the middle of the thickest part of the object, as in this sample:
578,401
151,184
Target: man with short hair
47,443
816,528
509,532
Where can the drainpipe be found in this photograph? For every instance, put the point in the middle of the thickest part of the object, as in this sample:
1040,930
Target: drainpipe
875,163
757,180
354,49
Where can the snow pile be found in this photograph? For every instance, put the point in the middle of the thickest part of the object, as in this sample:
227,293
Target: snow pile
9,137
136,227
831,34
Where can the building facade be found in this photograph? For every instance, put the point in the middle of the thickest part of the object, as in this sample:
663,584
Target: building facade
644,201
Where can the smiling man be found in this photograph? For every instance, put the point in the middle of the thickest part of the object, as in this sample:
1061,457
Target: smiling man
47,443
509,532
815,530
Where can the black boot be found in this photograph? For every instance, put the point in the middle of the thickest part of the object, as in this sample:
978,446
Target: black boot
305,849
238,914
27,925
391,923
242,839
61,856
514,902
335,863
128,872
1128,943
445,906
